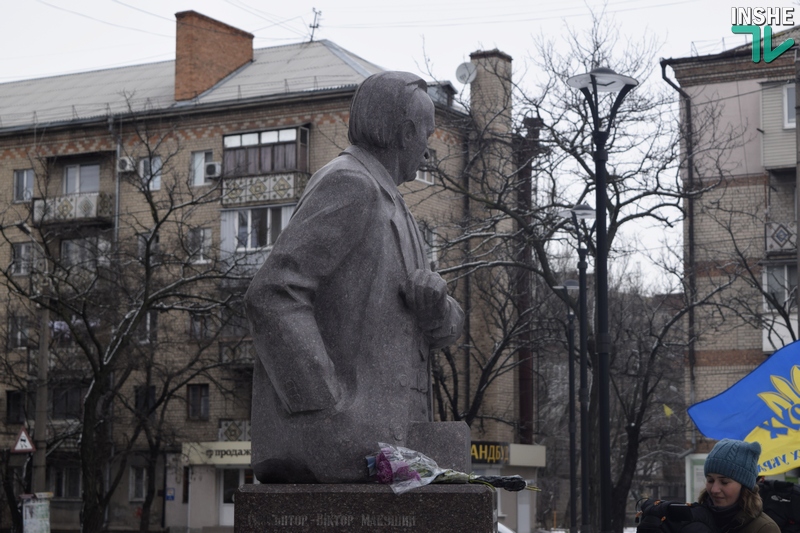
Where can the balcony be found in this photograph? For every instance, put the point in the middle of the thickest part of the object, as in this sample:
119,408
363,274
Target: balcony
285,187
780,237
85,207
237,354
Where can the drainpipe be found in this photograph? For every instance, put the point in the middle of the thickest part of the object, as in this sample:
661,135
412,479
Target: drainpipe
467,287
692,275
118,137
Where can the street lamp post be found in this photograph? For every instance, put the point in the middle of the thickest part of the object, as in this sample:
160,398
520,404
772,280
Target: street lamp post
590,84
571,285
583,212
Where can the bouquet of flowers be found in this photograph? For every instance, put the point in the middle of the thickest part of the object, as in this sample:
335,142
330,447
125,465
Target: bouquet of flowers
404,469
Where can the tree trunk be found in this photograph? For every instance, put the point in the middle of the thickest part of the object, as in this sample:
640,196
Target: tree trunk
94,452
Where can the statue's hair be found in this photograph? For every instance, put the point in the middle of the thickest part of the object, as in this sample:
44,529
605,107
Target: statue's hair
386,90
749,499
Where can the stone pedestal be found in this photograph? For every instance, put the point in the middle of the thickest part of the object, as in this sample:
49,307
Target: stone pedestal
364,508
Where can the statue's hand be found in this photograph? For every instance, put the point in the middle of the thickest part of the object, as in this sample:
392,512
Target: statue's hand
425,294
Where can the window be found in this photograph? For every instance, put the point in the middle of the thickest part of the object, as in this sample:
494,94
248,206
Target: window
149,242
22,253
81,179
87,252
138,483
197,401
283,150
150,172
18,331
186,473
429,244
199,160
65,481
23,185
147,330
67,402
781,283
789,104
200,326
15,406
144,399
199,245
259,228
425,172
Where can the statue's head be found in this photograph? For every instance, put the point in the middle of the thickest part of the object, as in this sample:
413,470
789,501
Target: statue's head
392,111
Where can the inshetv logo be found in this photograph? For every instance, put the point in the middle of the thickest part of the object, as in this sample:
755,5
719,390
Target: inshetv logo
751,19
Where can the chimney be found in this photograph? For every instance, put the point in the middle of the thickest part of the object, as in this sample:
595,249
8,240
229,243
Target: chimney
206,51
490,91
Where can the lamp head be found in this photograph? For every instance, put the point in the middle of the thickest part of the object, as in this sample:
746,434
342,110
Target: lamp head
569,285
581,212
605,79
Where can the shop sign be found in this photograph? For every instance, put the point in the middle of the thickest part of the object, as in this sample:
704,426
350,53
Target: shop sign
216,453
489,452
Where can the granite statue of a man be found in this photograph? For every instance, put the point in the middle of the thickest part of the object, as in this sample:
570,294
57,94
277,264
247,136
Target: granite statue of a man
345,310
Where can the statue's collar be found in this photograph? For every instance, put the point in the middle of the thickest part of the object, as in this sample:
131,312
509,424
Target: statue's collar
375,169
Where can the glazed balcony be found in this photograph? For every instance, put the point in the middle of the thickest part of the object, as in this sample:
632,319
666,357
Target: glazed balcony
81,207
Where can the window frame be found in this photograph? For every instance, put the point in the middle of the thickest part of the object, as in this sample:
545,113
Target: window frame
147,330
425,172
272,214
60,481
201,411
92,252
199,245
80,186
198,173
239,150
154,240
784,282
73,394
789,111
21,258
28,177
19,400
19,331
151,179
133,482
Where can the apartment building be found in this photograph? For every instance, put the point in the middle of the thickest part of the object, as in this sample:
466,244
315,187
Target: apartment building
740,236
138,202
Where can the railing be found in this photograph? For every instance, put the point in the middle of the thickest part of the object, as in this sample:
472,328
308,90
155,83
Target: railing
267,188
74,208
233,430
238,353
780,237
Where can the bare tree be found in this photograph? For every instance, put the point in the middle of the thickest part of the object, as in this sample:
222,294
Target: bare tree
117,292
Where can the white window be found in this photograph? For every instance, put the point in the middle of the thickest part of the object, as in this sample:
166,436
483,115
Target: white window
425,172
199,245
149,247
18,332
781,284
260,227
81,179
147,331
150,172
789,103
23,185
86,253
283,150
201,325
65,481
138,483
199,160
22,258
197,401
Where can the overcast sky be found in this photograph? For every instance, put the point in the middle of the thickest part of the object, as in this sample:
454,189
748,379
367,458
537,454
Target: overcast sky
50,37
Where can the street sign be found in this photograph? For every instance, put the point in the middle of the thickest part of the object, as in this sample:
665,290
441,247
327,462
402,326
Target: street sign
24,443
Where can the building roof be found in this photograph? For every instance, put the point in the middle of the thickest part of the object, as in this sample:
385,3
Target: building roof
275,71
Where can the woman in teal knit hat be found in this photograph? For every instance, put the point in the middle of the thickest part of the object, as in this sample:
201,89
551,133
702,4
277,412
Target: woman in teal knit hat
731,492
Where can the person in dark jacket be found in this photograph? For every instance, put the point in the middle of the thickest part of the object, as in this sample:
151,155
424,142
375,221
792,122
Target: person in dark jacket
731,492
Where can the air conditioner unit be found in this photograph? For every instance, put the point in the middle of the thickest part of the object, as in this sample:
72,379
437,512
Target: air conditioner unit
213,170
126,164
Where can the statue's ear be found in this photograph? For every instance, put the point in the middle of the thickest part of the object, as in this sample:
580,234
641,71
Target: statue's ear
408,131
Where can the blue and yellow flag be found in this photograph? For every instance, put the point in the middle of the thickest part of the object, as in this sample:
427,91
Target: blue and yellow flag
763,407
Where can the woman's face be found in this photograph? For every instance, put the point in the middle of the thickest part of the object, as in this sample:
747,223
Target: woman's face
723,490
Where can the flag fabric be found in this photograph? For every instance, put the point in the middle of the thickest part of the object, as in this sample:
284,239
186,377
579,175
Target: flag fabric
763,407
668,412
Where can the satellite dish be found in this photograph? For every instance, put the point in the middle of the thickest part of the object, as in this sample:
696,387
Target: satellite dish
465,73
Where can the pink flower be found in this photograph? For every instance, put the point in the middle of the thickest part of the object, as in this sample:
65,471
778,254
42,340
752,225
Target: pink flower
384,467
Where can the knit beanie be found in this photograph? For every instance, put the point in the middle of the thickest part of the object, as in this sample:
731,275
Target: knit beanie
735,459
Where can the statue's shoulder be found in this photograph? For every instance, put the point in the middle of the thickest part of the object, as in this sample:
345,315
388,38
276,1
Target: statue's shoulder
345,174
